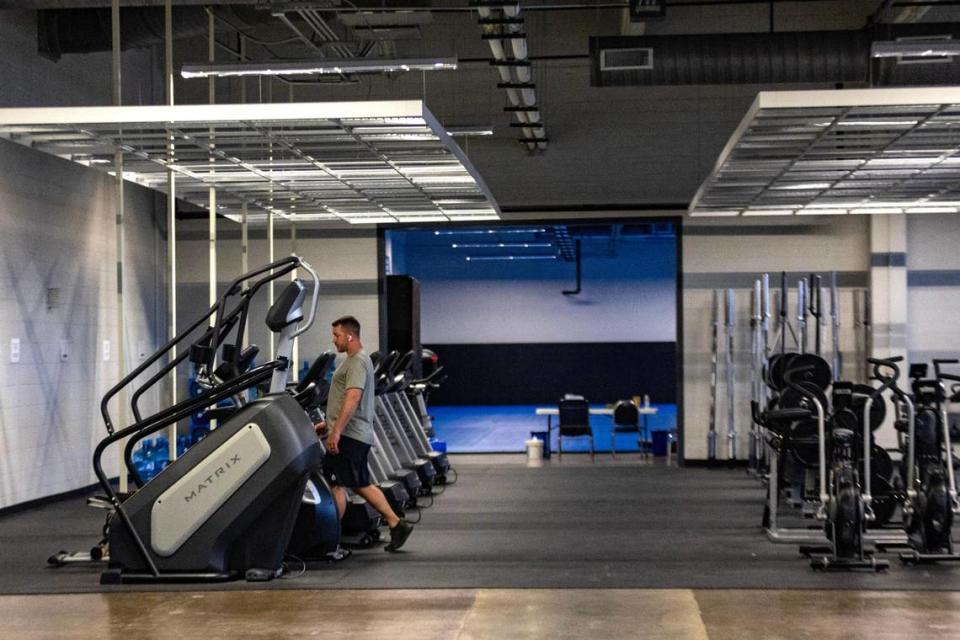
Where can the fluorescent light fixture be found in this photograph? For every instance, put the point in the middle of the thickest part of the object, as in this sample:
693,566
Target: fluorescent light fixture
502,245
483,130
371,220
475,232
877,123
876,211
507,258
914,49
423,218
768,212
802,186
714,213
473,218
819,211
315,67
931,210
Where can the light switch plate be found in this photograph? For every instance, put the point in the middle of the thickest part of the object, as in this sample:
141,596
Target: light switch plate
105,351
14,350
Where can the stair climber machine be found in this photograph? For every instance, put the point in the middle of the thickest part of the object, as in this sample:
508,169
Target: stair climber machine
229,507
931,496
392,432
409,422
416,478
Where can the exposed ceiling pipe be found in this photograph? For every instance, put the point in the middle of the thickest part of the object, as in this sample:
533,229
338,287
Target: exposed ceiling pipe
63,31
498,23
525,76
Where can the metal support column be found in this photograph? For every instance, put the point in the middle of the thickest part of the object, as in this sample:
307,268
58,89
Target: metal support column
120,244
171,221
244,220
294,372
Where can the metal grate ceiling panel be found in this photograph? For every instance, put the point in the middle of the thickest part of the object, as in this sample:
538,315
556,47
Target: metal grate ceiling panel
357,162
840,152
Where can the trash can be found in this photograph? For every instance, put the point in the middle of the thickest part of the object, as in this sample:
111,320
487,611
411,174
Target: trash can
660,442
534,450
542,436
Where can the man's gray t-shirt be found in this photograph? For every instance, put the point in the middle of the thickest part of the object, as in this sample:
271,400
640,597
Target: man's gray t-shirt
355,372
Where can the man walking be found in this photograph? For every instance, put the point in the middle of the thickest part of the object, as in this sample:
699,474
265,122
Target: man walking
349,430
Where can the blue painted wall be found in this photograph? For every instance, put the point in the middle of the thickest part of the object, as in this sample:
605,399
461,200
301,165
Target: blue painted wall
628,292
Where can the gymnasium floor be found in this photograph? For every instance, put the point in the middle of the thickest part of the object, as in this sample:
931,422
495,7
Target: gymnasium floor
503,429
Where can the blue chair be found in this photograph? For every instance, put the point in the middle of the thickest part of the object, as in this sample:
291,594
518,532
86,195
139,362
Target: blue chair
574,422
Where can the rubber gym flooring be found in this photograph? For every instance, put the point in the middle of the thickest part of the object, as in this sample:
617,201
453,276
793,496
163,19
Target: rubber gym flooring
606,524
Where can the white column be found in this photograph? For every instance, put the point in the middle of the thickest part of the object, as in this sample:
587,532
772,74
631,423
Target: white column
888,299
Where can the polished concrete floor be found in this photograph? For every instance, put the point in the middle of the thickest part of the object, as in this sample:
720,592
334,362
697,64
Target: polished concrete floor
480,614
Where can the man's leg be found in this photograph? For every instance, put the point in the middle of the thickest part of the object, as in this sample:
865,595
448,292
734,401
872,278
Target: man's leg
400,529
340,498
378,501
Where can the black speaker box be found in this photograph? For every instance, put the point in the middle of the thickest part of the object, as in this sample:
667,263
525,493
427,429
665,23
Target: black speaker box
403,317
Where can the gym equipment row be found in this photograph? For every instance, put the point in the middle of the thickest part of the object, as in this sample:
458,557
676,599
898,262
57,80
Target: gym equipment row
249,495
817,451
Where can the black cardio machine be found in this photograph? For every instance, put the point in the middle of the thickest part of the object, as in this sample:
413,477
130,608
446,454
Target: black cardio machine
227,508
931,496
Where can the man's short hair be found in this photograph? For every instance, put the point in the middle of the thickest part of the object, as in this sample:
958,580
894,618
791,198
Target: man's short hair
349,323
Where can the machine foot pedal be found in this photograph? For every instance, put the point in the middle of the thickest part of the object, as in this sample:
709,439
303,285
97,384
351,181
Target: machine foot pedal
915,557
826,563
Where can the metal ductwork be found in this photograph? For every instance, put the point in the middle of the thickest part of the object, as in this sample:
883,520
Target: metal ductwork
64,31
767,58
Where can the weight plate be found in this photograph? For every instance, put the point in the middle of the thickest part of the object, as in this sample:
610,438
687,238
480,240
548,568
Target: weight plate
878,410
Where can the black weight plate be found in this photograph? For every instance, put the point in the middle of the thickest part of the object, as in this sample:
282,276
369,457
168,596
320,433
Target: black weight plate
791,398
881,465
878,410
775,369
884,502
819,375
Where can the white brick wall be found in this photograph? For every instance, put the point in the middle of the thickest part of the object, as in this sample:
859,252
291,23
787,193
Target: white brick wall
338,259
56,230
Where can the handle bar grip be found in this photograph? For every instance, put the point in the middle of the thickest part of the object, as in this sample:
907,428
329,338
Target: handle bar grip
788,378
885,361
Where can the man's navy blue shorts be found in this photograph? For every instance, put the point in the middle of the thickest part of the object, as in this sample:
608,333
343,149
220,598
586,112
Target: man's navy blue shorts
348,468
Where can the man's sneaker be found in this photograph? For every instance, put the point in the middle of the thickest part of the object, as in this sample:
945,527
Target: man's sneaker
399,535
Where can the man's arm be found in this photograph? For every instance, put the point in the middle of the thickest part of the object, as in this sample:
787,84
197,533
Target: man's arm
351,401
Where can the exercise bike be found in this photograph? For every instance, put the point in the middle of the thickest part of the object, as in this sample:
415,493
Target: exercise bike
931,496
845,495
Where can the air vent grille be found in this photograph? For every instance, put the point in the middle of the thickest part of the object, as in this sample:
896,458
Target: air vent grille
626,59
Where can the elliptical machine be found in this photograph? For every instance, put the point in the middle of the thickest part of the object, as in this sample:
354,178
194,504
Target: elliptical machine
931,495
227,508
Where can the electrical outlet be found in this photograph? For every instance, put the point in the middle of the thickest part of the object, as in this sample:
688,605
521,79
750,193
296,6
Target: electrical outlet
14,350
105,351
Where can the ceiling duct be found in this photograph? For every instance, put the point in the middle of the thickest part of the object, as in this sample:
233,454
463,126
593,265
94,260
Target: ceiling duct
64,31
767,58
